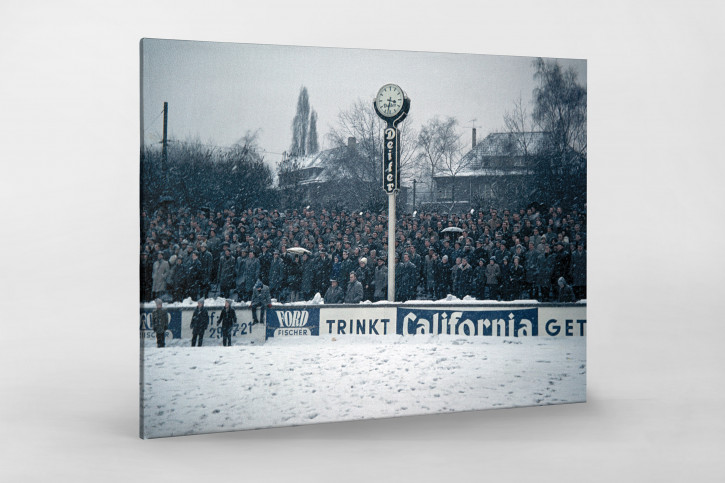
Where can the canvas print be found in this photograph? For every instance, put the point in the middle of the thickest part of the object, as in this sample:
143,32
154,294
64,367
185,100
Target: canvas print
339,234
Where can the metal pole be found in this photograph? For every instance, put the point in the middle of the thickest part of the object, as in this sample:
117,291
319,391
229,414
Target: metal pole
164,140
391,246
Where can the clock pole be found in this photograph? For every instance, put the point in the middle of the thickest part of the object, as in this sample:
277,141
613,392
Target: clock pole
392,106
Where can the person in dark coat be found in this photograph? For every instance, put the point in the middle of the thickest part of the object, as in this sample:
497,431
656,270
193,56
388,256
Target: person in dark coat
227,319
308,276
207,263
226,272
579,272
479,280
566,294
505,286
334,294
146,272
159,323
294,277
518,278
194,275
177,278
380,281
199,324
240,279
354,293
276,275
545,268
252,270
347,265
364,275
323,267
443,278
408,278
261,300
493,279
562,261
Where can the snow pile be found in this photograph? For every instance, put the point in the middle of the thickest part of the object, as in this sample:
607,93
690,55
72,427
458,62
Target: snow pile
303,380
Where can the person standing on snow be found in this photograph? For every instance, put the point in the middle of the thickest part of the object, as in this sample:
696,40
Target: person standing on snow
159,323
227,319
199,323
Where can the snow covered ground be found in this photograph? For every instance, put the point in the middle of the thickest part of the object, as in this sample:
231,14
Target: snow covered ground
303,381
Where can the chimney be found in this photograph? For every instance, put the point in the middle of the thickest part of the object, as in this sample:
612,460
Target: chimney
473,138
351,141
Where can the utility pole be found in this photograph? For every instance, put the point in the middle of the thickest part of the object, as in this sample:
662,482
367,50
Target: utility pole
414,182
163,141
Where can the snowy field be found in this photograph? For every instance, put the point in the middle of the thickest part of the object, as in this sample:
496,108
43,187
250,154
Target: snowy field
303,381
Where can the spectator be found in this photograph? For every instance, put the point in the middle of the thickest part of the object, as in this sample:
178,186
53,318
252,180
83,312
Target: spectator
354,293
566,294
261,301
159,275
493,279
276,275
159,323
334,294
381,281
579,272
199,324
227,319
226,272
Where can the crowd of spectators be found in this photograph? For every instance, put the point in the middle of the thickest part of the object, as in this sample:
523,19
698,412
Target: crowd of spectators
486,254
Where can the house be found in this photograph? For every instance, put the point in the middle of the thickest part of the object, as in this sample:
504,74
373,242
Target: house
330,179
497,172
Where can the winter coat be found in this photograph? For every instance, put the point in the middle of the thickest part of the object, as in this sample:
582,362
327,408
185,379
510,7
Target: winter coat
159,274
408,279
251,273
199,320
463,281
381,282
207,261
240,274
493,274
177,276
579,268
334,295
294,274
276,274
443,277
226,271
261,298
308,276
354,293
193,272
531,265
346,266
479,278
566,294
227,318
160,320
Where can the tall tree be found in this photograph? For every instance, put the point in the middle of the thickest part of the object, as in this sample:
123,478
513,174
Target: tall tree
312,144
300,124
560,110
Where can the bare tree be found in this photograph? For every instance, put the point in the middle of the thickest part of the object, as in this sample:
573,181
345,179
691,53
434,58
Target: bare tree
518,123
364,164
440,151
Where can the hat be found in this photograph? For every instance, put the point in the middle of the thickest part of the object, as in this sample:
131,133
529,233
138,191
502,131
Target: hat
333,280
258,285
158,301
364,260
562,281
200,301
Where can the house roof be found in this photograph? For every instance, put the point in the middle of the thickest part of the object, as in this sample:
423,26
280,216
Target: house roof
321,166
500,145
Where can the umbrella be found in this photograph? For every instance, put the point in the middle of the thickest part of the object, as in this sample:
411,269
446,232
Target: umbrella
452,229
298,250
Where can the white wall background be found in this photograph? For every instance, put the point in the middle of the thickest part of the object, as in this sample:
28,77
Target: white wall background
69,135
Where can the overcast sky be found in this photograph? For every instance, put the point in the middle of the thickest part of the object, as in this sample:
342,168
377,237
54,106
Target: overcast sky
218,91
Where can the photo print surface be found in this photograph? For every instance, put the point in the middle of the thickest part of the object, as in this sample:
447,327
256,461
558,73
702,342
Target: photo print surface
340,234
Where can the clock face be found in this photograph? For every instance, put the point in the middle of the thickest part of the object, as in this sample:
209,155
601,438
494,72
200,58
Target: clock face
389,100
